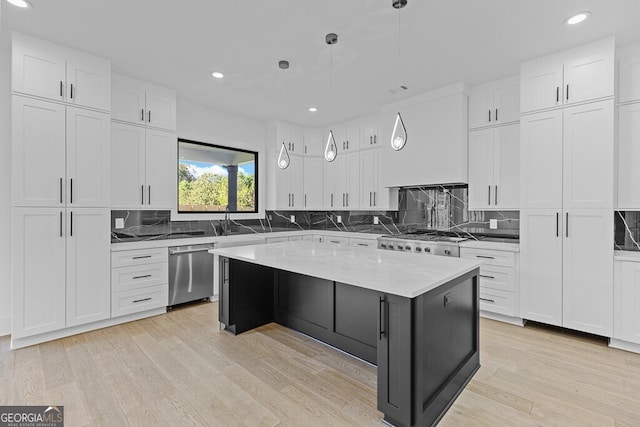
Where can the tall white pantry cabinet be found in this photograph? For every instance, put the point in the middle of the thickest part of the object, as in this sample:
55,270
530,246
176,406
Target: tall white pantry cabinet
60,187
566,182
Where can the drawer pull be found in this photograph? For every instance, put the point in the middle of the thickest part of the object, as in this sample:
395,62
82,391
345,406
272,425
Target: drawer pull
142,300
486,299
334,241
484,256
362,244
142,277
142,256
487,277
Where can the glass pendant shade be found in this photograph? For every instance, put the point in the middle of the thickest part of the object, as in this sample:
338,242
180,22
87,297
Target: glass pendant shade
331,150
283,158
399,135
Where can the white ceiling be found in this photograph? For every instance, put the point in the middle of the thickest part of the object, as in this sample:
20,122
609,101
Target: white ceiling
178,43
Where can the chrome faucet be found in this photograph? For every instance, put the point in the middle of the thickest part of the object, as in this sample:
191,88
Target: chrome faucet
225,223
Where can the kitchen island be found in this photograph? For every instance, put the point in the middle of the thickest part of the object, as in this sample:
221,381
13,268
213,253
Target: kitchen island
413,315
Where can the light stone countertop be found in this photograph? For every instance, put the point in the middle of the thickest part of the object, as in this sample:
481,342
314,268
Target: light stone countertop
404,274
626,256
484,244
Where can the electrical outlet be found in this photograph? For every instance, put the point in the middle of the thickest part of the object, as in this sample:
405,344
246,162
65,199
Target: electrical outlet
269,217
119,223
338,219
376,221
293,218
493,224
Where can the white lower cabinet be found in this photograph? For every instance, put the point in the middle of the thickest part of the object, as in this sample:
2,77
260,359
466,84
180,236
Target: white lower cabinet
626,323
139,280
567,268
313,183
499,286
60,259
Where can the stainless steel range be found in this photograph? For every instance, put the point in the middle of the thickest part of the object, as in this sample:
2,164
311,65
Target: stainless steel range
429,243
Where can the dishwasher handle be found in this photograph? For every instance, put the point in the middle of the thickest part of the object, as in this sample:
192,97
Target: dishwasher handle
189,251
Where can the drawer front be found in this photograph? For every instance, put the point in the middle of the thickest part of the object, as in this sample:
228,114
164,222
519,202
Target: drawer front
364,243
137,300
139,276
139,257
490,256
500,278
500,302
336,240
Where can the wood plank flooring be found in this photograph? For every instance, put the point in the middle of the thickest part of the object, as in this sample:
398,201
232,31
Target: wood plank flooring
178,369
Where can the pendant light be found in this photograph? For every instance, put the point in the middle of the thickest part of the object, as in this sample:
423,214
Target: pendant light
331,149
283,158
399,134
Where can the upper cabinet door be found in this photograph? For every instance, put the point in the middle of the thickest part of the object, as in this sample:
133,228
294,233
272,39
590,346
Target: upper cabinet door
127,99
88,81
313,143
506,100
161,107
589,71
38,152
329,191
161,169
506,167
480,168
313,183
38,68
481,106
628,153
588,156
541,160
630,79
88,158
541,84
127,166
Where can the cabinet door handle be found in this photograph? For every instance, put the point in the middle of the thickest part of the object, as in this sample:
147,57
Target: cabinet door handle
557,224
331,199
141,257
305,200
489,115
495,195
71,190
60,223
141,277
71,223
289,202
61,90
60,190
142,194
567,92
293,199
489,196
362,244
149,195
343,200
149,115
142,115
370,198
337,242
347,199
487,277
293,146
374,199
486,299
557,93
375,139
382,317
485,256
142,300
71,90
347,144
343,146
305,149
370,139
566,227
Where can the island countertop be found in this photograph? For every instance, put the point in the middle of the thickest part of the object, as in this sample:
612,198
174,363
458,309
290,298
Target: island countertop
404,274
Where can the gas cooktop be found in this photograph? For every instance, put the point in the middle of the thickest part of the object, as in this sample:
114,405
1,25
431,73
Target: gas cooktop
429,236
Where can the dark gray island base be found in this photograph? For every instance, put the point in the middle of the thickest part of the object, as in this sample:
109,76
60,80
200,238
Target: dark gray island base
426,348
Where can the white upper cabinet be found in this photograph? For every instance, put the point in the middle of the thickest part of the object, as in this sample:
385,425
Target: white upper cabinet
494,103
329,195
369,191
289,184
369,134
629,77
348,181
88,158
138,102
347,137
628,153
580,74
313,182
292,138
51,71
313,142
161,170
38,152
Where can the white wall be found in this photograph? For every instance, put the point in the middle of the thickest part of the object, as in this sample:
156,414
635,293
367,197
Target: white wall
5,191
204,124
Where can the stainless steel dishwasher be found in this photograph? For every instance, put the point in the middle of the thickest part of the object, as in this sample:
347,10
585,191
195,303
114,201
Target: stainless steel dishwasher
190,273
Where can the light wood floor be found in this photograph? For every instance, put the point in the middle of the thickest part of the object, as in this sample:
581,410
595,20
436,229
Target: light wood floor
178,369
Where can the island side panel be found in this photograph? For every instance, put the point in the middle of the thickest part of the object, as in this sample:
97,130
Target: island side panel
446,345
246,295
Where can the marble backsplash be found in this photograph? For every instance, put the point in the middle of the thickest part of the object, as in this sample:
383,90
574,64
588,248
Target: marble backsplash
626,230
425,208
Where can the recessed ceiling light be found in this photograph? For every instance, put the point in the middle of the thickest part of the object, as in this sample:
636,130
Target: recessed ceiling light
313,109
217,74
20,3
577,18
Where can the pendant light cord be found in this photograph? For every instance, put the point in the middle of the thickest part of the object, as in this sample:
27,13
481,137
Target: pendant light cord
399,44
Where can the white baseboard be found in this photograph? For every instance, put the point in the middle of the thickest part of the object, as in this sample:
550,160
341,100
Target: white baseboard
5,325
624,345
502,318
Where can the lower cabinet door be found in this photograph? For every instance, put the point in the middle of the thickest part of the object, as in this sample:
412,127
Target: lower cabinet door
88,266
38,246
627,302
